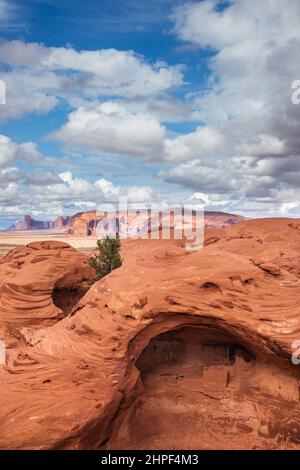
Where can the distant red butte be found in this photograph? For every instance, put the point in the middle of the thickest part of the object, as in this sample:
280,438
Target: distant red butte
84,224
28,223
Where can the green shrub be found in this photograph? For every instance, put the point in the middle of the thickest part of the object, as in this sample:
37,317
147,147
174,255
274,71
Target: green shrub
107,259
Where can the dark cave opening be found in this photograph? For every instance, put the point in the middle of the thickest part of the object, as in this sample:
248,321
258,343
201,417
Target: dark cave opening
195,392
65,298
192,348
201,388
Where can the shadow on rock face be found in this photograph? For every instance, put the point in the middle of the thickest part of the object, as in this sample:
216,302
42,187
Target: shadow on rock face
201,389
65,298
198,348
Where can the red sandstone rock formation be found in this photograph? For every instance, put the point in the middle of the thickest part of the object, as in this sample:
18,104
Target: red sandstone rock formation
28,223
221,219
85,223
41,282
62,222
175,349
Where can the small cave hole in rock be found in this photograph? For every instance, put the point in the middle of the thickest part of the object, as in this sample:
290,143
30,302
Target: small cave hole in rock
65,298
200,388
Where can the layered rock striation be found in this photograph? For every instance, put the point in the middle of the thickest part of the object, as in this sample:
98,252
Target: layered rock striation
176,349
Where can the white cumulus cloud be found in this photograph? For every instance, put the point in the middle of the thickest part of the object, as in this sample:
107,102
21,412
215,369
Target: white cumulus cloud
110,128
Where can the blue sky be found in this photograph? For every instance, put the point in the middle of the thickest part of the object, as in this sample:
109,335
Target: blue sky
159,101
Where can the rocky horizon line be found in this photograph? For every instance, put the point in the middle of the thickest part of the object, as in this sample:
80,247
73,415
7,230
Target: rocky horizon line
85,223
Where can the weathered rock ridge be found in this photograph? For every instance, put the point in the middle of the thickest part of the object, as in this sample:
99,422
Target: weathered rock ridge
176,349
40,282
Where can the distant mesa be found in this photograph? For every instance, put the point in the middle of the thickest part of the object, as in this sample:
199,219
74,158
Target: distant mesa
62,221
84,224
221,219
28,223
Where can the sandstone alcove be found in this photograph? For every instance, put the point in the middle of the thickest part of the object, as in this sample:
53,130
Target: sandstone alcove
201,389
190,350
65,297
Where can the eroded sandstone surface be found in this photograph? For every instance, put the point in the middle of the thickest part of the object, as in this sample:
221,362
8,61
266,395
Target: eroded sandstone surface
41,282
176,349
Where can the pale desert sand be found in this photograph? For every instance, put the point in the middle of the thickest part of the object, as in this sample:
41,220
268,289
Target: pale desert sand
9,240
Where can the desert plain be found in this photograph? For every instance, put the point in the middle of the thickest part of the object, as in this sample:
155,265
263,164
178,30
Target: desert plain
9,240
